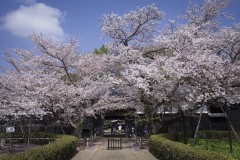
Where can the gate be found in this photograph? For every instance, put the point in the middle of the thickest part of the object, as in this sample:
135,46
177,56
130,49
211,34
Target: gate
114,143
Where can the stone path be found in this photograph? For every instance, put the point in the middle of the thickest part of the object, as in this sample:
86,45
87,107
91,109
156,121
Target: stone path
99,152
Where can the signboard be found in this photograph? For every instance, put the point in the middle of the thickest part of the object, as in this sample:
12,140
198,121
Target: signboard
10,129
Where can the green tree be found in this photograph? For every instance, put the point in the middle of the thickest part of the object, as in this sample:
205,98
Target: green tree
102,50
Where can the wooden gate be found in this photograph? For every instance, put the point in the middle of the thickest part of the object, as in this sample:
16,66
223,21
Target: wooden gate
114,143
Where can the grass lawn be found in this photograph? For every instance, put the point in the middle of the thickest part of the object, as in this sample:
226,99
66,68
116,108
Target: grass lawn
220,146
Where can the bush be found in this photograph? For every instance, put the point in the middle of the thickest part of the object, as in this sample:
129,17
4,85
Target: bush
215,135
62,149
163,148
210,134
219,145
7,135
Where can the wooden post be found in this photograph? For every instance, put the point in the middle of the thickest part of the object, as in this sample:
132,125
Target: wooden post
228,120
196,131
22,130
11,143
121,143
87,141
140,141
229,137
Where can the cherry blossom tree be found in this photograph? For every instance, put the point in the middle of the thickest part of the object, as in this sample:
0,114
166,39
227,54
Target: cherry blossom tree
54,78
196,50
188,60
139,25
200,62
185,66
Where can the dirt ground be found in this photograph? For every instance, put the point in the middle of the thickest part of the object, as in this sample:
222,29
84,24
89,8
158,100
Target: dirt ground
99,151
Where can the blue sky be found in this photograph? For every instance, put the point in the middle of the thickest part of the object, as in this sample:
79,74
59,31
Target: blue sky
60,19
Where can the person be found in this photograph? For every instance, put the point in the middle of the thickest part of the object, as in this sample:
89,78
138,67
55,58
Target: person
119,128
145,132
111,129
114,129
127,131
133,130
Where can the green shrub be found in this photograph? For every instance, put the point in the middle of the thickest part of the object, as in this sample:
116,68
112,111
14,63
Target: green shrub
62,148
7,135
219,145
210,134
163,148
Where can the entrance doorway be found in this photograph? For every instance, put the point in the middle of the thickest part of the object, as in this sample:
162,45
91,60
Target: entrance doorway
119,123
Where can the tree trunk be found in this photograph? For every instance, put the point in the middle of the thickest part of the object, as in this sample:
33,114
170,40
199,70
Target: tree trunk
78,127
125,43
23,133
29,132
78,130
184,129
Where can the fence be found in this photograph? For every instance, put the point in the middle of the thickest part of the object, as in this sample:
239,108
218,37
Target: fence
2,140
114,143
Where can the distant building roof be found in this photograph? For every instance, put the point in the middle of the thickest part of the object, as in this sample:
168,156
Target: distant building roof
216,115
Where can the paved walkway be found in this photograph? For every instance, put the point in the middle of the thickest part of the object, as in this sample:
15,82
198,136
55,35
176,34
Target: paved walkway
99,152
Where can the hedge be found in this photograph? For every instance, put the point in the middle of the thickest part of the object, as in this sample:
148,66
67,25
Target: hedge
210,134
63,148
163,148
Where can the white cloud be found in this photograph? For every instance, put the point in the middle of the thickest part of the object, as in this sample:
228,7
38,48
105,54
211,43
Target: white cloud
35,18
